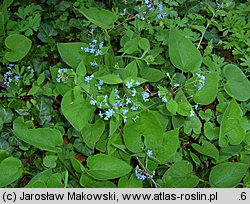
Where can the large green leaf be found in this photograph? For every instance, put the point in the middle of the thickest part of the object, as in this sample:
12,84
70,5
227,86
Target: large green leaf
91,133
71,53
231,129
146,131
151,74
105,167
11,170
182,52
76,110
180,175
89,182
237,86
169,147
227,175
209,92
43,138
100,17
19,46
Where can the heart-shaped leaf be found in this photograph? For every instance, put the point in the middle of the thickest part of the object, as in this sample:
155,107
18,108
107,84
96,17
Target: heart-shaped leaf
105,167
43,138
11,170
19,46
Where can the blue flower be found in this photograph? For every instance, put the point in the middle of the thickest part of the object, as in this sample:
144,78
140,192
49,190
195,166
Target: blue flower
94,41
11,65
100,114
196,106
146,1
150,153
88,78
164,100
16,77
9,79
138,16
128,101
159,94
159,16
101,45
140,175
92,102
92,50
98,52
124,120
145,96
109,113
134,108
28,67
125,111
159,6
86,49
137,83
92,46
129,84
192,113
8,73
133,92
92,64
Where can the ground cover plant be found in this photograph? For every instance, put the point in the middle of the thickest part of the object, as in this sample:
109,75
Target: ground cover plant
124,93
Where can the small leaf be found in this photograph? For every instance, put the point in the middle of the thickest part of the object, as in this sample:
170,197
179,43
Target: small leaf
110,79
46,31
19,46
182,52
11,170
227,175
103,167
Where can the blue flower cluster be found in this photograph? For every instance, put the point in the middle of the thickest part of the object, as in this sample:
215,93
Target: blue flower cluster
11,77
157,8
94,48
142,175
202,80
61,75
222,6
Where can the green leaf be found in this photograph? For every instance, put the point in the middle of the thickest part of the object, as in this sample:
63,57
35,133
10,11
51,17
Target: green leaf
227,175
43,138
91,133
71,53
131,69
40,180
237,86
184,108
88,182
209,92
6,115
182,52
145,132
19,46
76,110
144,44
172,106
46,31
151,74
192,124
180,175
231,130
103,167
110,79
11,170
131,182
169,147
100,17
207,149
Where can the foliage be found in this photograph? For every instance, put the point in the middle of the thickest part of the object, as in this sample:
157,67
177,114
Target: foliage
124,94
